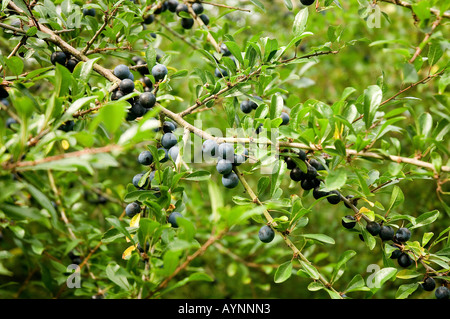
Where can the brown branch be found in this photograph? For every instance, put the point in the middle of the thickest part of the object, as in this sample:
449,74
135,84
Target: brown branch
200,22
179,36
87,151
409,6
424,80
220,5
425,40
297,253
211,240
106,18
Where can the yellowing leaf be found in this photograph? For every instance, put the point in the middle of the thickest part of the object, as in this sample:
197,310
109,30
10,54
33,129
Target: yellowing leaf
369,213
368,202
127,253
135,220
65,144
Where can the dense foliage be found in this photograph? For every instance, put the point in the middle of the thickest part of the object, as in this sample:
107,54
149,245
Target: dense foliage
230,149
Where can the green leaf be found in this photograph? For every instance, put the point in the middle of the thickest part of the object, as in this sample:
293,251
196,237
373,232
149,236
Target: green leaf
114,274
284,271
300,22
426,219
310,270
15,65
345,257
336,179
434,53
320,238
405,290
198,176
372,100
258,4
235,51
380,277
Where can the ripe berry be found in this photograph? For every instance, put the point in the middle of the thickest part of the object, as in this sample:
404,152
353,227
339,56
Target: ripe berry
302,155
117,94
172,5
354,202
266,234
224,167
404,260
137,178
428,284
145,158
230,180
442,292
181,8
197,7
137,109
259,128
297,174
308,184
334,198
133,209
224,50
166,155
254,105
311,172
307,2
396,253
159,71
285,118
246,107
348,224
147,99
126,86
290,163
220,73
10,121
168,140
204,18
210,148
317,193
187,23
173,152
58,57
373,228
402,235
147,82
162,8
89,12
71,64
173,219
386,233
226,151
149,19
67,126
121,71
168,127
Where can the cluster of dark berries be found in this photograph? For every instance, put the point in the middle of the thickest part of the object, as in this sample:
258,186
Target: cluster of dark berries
168,144
64,59
429,284
187,22
146,100
144,180
89,12
4,100
310,180
219,72
226,160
